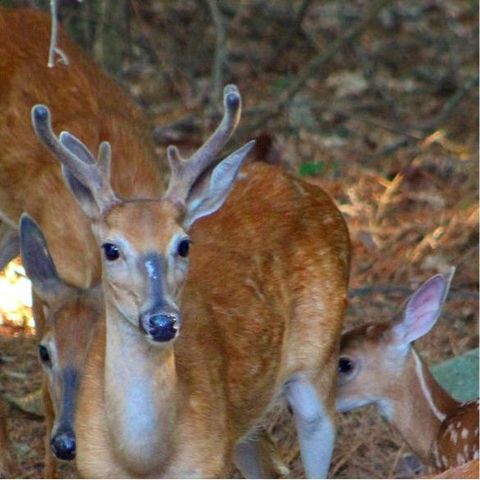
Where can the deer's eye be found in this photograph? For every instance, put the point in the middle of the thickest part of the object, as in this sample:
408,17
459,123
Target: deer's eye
111,251
183,248
44,355
345,365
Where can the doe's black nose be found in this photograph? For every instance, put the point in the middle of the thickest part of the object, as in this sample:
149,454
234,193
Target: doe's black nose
63,445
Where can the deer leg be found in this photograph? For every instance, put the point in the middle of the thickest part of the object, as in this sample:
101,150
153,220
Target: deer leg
315,427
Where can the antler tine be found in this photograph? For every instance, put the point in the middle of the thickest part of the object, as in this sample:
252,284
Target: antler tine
86,173
186,171
104,160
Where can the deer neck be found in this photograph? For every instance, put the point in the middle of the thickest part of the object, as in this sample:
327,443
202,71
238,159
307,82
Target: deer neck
140,395
419,407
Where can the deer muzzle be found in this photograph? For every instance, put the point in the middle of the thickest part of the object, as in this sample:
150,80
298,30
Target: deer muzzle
160,326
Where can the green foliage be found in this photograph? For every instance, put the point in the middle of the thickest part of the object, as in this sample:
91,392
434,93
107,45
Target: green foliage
310,169
459,375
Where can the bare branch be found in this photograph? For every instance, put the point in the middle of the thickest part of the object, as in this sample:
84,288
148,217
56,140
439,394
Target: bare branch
53,49
220,51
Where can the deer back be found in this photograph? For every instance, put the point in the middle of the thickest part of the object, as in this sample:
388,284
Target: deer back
85,101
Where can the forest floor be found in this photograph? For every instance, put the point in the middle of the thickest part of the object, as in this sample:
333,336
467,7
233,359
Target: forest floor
387,131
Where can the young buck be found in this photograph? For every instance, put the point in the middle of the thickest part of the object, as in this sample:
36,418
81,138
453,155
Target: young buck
31,180
191,358
379,365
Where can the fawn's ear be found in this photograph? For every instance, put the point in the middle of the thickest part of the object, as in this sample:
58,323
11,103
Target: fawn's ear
37,261
422,309
209,199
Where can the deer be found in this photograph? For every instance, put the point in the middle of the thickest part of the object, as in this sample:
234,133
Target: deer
203,336
31,180
379,365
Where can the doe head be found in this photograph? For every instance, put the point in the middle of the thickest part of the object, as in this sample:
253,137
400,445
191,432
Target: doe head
373,357
145,243
71,315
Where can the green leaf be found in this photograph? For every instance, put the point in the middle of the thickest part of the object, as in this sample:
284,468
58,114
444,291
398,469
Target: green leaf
311,169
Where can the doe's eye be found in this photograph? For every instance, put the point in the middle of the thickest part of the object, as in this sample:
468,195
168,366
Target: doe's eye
111,251
183,248
345,365
43,354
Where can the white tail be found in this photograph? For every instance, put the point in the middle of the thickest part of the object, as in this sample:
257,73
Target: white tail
194,353
378,365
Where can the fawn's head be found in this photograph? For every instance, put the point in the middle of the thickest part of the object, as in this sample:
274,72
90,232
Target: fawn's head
373,356
145,243
71,315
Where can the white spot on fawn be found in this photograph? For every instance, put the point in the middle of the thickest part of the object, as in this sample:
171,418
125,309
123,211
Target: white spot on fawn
464,433
475,455
454,437
460,459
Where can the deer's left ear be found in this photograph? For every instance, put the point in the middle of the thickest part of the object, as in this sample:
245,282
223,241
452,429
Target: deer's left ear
422,309
212,197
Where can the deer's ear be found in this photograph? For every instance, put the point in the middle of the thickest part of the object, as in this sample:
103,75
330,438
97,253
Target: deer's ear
422,310
82,194
209,199
80,191
38,262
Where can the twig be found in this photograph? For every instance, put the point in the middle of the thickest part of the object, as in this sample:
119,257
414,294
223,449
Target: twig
268,110
319,61
53,49
296,27
220,52
325,57
418,134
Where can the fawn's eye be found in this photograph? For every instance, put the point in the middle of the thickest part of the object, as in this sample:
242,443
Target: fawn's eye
183,248
43,354
111,251
345,365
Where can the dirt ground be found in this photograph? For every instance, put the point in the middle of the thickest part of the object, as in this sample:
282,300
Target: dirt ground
387,131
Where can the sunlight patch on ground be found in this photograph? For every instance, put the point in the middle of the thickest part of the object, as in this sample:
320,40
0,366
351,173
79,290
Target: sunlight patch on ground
15,296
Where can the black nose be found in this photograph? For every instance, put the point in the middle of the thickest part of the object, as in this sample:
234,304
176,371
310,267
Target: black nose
160,327
63,445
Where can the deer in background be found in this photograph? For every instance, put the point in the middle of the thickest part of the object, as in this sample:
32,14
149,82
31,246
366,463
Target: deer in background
379,365
193,354
31,180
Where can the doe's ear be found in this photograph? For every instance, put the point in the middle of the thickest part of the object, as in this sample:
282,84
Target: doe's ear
210,199
422,309
37,261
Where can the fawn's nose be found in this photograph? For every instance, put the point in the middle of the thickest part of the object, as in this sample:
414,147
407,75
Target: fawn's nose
160,326
63,445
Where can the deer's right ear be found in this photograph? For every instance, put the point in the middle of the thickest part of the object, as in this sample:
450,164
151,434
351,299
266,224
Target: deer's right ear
422,310
37,261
